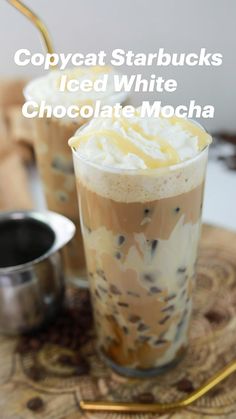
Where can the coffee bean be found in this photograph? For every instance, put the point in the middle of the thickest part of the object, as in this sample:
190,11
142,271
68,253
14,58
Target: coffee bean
100,272
177,209
170,297
214,317
126,330
185,385
145,398
164,320
123,304
133,318
155,290
183,292
160,342
97,294
181,270
121,240
168,308
102,289
148,277
154,245
35,404
114,290
142,327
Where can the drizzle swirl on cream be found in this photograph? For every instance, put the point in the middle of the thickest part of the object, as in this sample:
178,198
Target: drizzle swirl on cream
140,143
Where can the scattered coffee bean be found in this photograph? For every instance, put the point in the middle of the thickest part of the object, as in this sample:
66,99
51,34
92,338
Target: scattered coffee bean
155,290
170,297
185,385
100,272
134,319
35,404
164,320
123,304
102,289
181,270
62,166
214,317
63,197
97,294
145,398
154,245
160,342
148,277
114,290
121,240
142,327
126,330
168,308
110,318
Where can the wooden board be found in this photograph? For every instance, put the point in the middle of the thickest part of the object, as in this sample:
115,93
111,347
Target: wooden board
212,344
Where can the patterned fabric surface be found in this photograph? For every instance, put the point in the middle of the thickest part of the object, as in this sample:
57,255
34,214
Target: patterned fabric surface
46,375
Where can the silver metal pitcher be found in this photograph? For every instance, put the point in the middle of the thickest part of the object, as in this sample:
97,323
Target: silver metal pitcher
31,268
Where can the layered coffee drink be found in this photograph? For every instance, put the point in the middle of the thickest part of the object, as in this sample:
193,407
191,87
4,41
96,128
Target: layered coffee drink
53,155
140,185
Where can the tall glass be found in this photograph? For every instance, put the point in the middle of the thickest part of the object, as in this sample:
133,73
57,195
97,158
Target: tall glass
141,232
54,159
57,175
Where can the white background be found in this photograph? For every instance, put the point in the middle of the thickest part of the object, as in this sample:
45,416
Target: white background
145,26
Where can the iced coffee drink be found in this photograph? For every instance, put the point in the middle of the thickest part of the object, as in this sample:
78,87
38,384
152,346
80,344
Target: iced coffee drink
52,151
140,185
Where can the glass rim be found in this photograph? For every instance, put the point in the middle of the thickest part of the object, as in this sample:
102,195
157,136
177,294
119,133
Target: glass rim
147,171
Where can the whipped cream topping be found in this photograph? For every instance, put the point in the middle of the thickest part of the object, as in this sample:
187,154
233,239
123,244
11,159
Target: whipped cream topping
138,142
47,87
